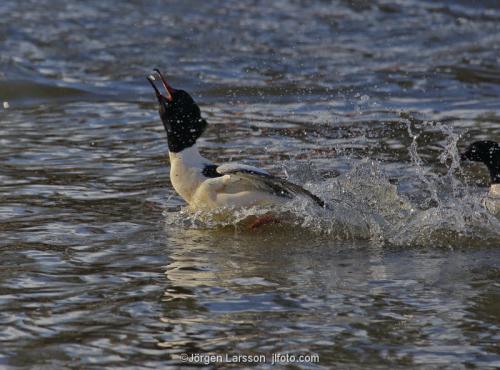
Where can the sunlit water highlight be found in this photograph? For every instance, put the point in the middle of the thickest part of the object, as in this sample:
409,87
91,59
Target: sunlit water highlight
365,103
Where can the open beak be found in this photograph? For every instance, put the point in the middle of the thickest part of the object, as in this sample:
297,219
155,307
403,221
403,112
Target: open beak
152,78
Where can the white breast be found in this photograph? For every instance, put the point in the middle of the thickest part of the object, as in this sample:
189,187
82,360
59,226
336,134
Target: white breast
229,190
186,171
495,191
492,201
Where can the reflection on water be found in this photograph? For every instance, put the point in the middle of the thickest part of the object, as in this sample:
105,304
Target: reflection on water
365,103
282,292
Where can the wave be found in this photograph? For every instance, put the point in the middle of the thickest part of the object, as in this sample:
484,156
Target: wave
437,210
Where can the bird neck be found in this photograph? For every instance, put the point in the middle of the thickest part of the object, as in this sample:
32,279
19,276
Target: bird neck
494,169
495,191
189,157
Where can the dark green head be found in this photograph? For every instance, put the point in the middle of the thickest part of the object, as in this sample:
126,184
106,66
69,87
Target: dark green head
180,114
487,152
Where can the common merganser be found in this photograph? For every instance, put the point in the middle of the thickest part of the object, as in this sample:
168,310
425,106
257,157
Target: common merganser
487,152
201,183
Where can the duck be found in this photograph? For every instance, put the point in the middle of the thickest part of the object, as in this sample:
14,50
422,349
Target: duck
203,184
487,152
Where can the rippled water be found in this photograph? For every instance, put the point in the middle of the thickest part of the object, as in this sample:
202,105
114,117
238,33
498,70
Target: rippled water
363,102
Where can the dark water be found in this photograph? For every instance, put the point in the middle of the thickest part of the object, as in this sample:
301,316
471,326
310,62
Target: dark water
364,102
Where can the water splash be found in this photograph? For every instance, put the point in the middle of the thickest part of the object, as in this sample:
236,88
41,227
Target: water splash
420,169
364,204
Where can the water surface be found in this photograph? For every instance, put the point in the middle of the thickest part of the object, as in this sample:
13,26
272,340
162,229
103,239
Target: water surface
366,103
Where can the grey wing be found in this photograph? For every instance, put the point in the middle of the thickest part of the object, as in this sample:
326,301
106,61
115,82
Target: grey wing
262,180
